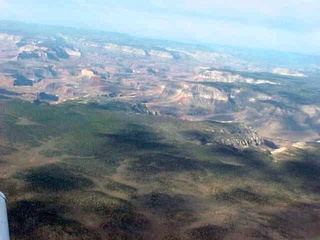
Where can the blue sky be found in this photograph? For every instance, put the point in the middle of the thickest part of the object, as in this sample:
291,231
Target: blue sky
287,25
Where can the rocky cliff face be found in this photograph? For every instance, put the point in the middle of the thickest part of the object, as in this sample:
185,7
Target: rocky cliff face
187,98
126,49
288,72
73,52
157,52
212,75
87,73
45,49
44,53
162,54
187,92
244,136
227,135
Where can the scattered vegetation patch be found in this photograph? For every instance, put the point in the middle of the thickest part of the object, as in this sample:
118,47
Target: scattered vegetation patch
50,153
117,218
119,187
162,201
94,202
298,221
88,166
162,156
209,232
4,150
42,220
121,106
240,195
174,208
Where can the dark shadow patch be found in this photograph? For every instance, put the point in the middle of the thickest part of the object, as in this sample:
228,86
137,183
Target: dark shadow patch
209,232
173,208
240,195
4,150
251,158
9,93
21,80
118,218
136,137
299,221
172,237
162,201
168,110
256,164
260,234
150,164
121,106
124,224
227,150
27,217
55,178
259,166
44,97
10,187
270,144
228,169
254,159
304,168
307,171
201,137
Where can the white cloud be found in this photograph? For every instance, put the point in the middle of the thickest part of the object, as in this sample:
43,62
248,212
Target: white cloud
4,4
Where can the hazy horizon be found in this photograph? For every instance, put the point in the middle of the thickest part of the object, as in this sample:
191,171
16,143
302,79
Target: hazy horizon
288,26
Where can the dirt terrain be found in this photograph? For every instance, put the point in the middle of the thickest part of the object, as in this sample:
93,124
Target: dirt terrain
103,136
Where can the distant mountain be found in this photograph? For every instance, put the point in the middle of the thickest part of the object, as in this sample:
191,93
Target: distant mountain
186,81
